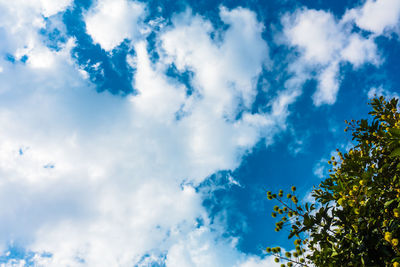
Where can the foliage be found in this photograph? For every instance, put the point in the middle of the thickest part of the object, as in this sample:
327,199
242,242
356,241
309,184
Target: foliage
354,219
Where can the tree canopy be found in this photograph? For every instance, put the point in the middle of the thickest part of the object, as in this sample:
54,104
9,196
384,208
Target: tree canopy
354,218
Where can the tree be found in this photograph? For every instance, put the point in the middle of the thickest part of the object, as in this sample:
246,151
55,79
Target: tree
355,217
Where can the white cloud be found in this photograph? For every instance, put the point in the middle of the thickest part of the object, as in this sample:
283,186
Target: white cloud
316,33
328,85
225,70
360,50
46,7
20,22
52,7
325,42
380,91
202,248
376,16
100,180
110,22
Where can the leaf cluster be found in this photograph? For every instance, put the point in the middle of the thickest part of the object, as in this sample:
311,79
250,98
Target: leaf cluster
355,217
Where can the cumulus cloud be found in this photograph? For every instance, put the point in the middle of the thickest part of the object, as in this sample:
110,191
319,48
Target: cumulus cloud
376,16
52,7
99,180
360,50
324,43
19,22
316,33
110,22
221,70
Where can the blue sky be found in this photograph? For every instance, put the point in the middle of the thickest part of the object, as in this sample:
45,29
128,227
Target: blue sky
146,133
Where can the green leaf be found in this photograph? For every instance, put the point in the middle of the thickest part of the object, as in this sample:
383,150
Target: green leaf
387,203
364,123
395,153
395,131
291,235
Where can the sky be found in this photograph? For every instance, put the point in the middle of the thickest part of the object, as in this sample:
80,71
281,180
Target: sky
146,133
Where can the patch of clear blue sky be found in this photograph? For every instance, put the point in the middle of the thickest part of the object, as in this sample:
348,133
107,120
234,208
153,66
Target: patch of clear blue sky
319,128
